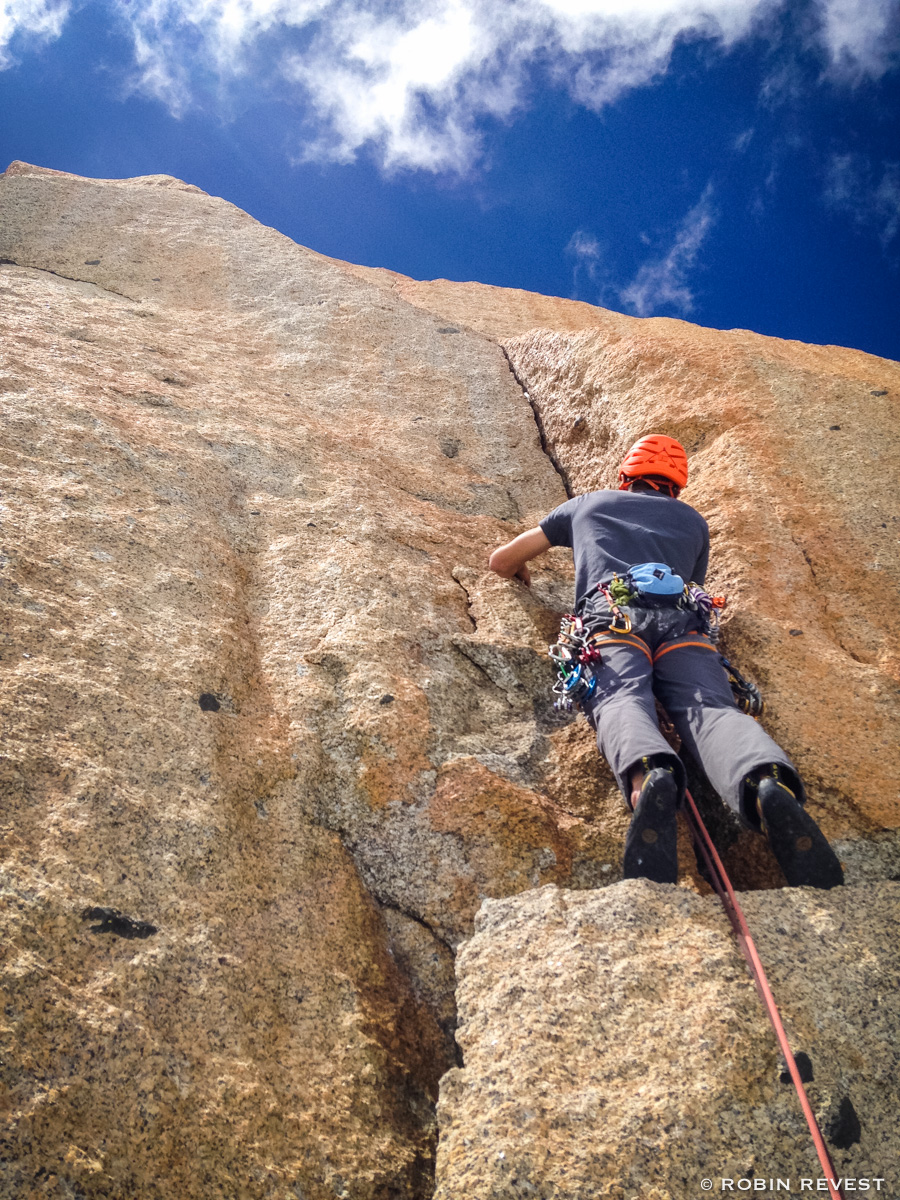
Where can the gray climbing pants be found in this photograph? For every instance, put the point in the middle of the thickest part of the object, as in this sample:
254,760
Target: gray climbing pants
666,656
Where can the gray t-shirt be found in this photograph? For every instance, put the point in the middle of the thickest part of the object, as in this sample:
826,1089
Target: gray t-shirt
611,531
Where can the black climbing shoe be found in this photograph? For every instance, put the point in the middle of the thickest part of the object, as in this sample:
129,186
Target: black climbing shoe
650,847
796,840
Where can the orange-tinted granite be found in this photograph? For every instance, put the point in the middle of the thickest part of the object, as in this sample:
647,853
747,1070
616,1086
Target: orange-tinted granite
793,450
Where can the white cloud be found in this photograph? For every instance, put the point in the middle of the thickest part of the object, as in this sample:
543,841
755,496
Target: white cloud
585,249
886,198
742,141
870,195
412,87
37,18
414,79
663,282
861,36
587,253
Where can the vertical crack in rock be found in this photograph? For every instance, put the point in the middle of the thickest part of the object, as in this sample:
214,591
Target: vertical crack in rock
468,596
428,962
538,420
402,1070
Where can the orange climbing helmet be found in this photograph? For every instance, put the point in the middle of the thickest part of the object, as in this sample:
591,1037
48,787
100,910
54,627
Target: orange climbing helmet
655,454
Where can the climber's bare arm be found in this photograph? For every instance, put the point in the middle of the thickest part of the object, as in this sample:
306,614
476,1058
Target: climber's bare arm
509,560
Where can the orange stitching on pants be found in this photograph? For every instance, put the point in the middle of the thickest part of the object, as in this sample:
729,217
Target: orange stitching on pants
678,645
623,641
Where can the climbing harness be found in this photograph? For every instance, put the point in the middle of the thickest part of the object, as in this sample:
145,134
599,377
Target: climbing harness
652,585
576,653
725,891
655,585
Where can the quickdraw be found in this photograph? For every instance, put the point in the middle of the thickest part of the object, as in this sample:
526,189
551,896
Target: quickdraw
618,590
747,695
708,606
574,658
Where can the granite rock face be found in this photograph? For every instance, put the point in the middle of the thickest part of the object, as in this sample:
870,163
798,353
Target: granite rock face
258,695
271,730
614,1044
792,450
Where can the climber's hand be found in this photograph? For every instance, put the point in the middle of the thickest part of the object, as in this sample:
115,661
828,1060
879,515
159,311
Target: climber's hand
509,561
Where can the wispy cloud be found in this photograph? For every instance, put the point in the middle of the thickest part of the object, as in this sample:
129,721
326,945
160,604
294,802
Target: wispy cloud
414,80
871,195
662,283
584,248
29,18
742,141
861,37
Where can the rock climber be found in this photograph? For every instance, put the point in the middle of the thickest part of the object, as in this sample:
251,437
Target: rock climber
642,531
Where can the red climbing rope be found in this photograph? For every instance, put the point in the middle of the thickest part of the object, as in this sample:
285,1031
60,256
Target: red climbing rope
722,884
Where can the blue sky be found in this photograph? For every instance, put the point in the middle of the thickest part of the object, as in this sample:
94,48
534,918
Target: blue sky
734,162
